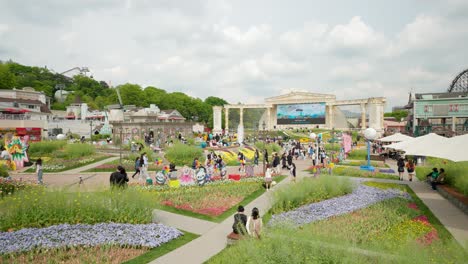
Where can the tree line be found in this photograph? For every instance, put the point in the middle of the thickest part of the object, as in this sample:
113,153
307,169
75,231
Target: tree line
98,94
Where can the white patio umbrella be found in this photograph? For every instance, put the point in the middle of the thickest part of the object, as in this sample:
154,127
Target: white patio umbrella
420,144
456,149
397,137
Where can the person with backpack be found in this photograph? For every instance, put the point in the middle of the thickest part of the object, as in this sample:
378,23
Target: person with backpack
401,167
410,167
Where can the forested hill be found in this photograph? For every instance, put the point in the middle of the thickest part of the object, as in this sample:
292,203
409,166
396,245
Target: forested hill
97,94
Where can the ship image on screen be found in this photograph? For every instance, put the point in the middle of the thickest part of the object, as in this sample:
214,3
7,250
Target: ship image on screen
301,114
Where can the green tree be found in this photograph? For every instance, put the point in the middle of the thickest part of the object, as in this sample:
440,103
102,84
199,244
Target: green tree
398,115
7,79
131,94
154,95
213,101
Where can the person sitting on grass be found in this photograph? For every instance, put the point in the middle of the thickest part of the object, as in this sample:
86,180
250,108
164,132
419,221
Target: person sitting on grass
439,180
432,176
240,222
254,223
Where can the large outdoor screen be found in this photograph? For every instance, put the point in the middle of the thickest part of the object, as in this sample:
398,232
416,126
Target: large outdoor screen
301,114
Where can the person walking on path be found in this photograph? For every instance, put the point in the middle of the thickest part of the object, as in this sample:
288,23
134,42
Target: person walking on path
292,172
256,157
254,224
39,171
401,167
411,168
137,167
143,166
268,178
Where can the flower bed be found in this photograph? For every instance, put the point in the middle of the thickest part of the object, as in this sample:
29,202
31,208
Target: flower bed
63,164
361,197
149,235
390,231
210,200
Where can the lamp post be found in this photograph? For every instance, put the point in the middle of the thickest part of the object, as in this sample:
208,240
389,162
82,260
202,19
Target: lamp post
264,147
120,148
91,131
370,134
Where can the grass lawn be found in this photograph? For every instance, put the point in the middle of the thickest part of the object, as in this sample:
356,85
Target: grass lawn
356,172
155,253
457,172
392,231
357,163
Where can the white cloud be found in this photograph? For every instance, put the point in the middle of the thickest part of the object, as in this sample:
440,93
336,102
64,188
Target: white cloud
4,28
234,51
355,35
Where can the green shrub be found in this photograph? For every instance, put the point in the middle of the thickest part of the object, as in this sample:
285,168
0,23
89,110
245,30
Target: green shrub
457,172
42,207
307,191
44,148
270,147
358,154
78,150
182,154
355,172
4,171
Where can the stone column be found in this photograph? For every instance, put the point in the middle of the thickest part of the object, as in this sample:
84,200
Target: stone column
217,120
241,116
226,120
376,112
363,116
454,123
330,110
268,123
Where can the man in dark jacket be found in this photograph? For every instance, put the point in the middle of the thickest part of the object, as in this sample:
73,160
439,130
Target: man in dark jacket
119,178
240,221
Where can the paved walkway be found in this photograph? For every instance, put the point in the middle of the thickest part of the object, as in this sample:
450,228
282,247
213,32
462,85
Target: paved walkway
213,237
214,240
449,215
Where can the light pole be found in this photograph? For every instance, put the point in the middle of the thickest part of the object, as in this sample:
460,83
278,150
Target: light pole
91,131
120,148
370,134
264,147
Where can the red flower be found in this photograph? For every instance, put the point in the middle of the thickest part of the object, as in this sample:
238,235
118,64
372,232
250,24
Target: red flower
413,206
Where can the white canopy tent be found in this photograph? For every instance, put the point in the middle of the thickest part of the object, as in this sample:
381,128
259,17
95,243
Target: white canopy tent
433,145
397,137
456,149
417,143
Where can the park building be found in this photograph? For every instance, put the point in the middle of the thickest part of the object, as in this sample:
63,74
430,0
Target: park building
444,113
441,113
24,112
131,123
308,110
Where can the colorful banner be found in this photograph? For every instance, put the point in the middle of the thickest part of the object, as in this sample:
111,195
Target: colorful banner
347,142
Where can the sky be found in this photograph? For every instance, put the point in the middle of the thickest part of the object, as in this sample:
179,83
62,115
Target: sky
247,50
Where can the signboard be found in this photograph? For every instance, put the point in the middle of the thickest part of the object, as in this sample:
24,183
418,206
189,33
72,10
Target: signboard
301,114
